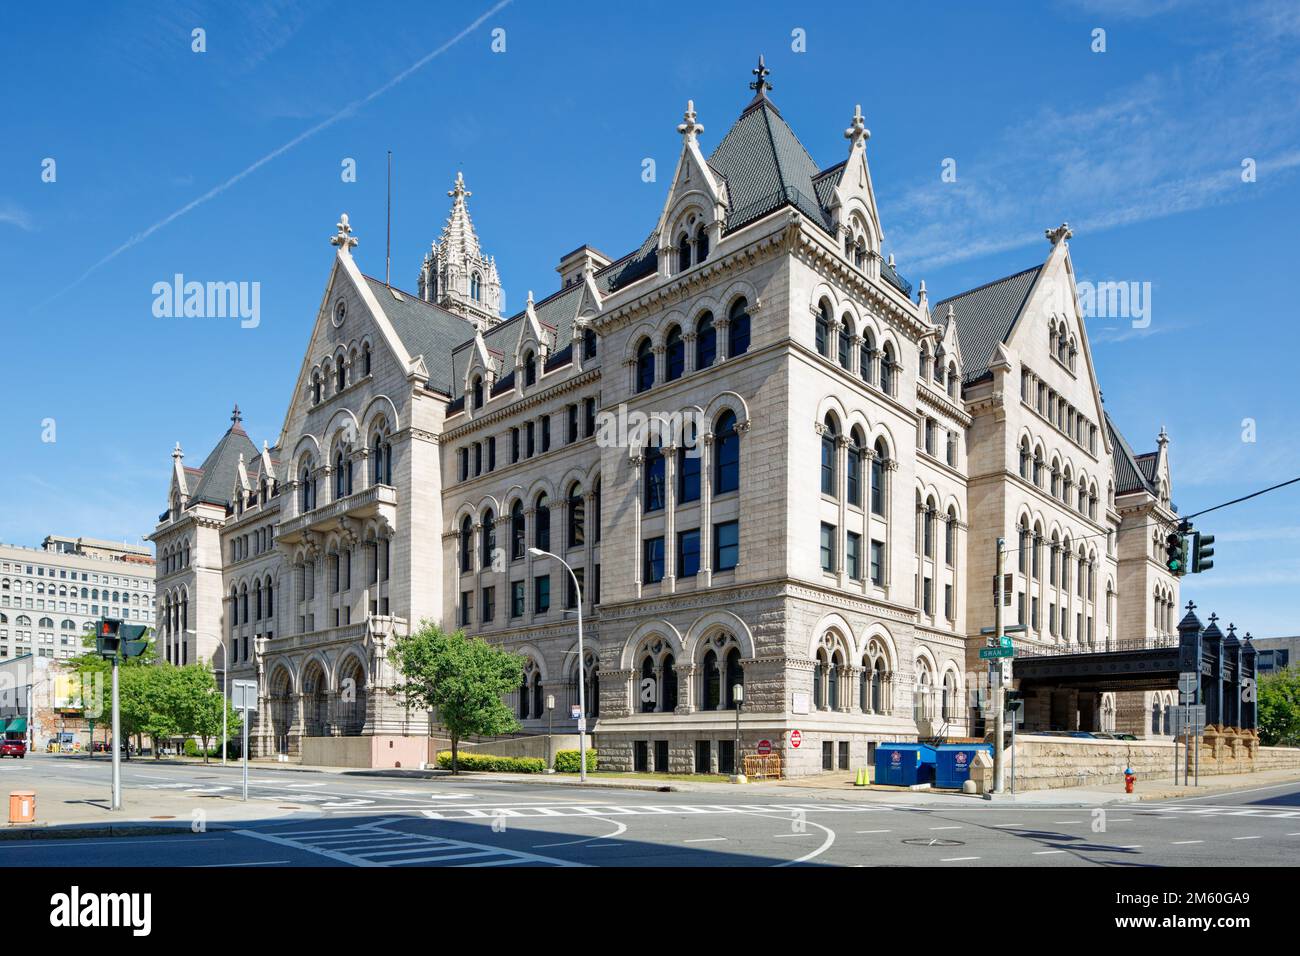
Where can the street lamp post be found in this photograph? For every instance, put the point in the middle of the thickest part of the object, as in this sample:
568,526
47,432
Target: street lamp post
550,712
582,695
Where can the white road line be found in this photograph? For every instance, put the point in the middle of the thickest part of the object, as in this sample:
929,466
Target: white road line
331,854
999,826
1047,852
206,866
1246,838
1131,846
874,831
957,859
946,828
1121,819
1060,822
1293,834
706,840
1185,842
777,836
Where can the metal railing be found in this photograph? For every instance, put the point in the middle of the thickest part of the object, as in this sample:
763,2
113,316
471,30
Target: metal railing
1161,642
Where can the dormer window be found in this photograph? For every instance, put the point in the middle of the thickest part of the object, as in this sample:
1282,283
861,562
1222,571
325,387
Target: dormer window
588,343
530,369
476,390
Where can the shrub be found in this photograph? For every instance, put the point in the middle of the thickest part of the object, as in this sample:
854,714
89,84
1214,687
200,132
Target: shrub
566,761
488,762
191,747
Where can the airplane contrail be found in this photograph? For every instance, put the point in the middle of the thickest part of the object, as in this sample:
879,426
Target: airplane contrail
217,190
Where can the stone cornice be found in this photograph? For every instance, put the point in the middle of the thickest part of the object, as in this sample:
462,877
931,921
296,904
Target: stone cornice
532,400
928,396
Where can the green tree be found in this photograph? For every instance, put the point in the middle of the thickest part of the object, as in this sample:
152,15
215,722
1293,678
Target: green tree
198,704
96,676
463,678
1279,708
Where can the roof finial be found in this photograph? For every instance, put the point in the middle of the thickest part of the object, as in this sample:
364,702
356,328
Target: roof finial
858,132
459,191
176,452
1062,231
235,416
1163,437
1190,606
344,238
688,127
760,86
1213,617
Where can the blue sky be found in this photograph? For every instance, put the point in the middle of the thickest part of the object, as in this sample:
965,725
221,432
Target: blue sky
225,165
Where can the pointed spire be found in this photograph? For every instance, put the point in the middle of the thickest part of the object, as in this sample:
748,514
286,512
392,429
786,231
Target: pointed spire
922,297
689,128
177,454
858,132
759,85
1163,438
344,238
236,417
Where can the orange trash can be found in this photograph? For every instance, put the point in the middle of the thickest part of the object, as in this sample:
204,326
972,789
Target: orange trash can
22,806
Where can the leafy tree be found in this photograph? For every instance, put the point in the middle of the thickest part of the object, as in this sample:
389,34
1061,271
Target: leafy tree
463,678
198,704
1278,701
96,677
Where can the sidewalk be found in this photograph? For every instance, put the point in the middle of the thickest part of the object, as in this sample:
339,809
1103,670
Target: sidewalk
66,809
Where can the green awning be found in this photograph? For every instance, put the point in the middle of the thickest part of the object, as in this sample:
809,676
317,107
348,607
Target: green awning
17,725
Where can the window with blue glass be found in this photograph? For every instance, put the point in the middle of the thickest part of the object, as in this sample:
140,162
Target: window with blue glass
688,553
542,594
726,475
688,475
706,341
829,434
738,330
726,545
654,478
828,547
675,353
653,560
645,366
853,556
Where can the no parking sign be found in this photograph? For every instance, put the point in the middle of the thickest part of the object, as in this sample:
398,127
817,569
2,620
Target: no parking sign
796,738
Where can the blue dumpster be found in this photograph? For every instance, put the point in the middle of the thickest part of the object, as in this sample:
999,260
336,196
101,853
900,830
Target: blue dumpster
904,765
952,763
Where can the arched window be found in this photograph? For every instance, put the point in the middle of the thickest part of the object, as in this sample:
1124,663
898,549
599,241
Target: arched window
1038,467
683,252
577,516
706,341
530,368
701,243
952,380
476,287
517,531
830,434
477,389
340,376
846,344
365,359
928,519
924,370
1036,555
645,366
489,538
866,356
649,702
653,498
950,539
853,469
676,353
887,366
878,478
315,388
308,487
711,681
542,522
591,680
823,329
735,675
738,330
668,678
726,472
1025,458
949,706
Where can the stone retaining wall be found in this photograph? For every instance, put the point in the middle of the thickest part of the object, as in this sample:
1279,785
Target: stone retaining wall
1049,762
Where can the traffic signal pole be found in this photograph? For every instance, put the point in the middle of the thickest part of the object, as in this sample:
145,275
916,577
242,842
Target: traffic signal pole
117,745
999,760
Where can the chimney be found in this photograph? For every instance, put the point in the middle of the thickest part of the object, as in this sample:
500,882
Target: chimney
575,263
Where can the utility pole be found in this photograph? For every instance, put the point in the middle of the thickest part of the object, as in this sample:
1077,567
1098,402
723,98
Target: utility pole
999,768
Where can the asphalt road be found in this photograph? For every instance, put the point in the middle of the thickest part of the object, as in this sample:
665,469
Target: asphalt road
357,820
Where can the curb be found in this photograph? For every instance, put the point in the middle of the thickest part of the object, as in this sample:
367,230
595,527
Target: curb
74,831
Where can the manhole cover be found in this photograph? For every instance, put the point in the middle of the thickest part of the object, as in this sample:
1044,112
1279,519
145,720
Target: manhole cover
934,842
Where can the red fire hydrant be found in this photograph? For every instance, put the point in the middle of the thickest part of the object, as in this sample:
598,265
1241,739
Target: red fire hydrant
1130,778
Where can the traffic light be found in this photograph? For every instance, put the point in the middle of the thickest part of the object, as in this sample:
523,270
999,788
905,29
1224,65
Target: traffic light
1202,551
1176,553
133,639
108,640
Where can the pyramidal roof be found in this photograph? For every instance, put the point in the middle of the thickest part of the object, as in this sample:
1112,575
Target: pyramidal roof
985,316
458,238
220,469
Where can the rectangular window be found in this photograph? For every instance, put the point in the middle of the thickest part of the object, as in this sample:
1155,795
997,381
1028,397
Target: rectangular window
726,545
688,553
530,445
1051,618
927,596
1020,608
517,599
542,594
688,476
1033,613
573,424
853,556
546,433
949,611
878,563
466,603
589,416
464,463
572,591
514,445
652,560
478,459
492,454
828,547
489,605
595,585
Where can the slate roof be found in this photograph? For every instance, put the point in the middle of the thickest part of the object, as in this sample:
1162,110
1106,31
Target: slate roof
221,468
424,329
1129,475
985,316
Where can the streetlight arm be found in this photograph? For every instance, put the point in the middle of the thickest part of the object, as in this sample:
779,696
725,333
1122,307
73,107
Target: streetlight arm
582,663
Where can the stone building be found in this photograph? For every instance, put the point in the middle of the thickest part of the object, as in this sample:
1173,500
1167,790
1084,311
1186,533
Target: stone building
432,445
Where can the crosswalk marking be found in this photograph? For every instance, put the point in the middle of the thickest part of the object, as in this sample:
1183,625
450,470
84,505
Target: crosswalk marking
619,810
1259,813
373,844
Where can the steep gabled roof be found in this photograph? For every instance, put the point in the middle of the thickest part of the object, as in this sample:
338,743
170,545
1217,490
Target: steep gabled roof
221,468
766,167
1129,474
425,329
985,316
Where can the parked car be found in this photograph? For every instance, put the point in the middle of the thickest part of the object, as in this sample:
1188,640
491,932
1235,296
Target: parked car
13,748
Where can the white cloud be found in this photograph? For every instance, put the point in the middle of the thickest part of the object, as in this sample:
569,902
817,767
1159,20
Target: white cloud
14,215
